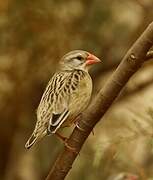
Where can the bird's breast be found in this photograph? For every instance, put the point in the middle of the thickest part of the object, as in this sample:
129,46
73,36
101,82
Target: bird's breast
80,98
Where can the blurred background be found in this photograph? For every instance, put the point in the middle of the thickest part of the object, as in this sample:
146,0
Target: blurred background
33,37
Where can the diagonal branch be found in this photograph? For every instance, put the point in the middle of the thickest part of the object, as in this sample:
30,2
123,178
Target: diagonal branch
131,62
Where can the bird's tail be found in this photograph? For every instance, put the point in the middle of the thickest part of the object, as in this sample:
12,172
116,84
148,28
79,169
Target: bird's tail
32,140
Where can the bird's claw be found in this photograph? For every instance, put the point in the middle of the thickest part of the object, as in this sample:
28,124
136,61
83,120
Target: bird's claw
77,125
64,140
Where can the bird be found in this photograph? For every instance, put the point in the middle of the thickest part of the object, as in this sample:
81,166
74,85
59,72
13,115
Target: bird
67,95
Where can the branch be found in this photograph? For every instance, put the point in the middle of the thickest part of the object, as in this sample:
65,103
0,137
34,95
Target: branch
128,66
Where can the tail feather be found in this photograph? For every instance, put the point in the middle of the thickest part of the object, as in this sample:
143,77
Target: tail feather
32,140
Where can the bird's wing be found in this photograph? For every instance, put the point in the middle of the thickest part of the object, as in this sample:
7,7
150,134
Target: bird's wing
49,111
62,97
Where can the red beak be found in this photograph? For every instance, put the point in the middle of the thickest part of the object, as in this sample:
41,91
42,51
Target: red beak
91,59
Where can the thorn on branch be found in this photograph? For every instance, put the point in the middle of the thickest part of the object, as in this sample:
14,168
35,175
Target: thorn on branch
132,58
149,55
78,126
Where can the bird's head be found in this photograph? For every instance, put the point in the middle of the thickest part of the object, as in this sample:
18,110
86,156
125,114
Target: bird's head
78,59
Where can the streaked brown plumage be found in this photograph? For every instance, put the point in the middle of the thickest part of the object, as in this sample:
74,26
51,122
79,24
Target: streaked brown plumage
66,95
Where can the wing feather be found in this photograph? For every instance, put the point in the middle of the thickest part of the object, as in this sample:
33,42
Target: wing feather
52,128
61,105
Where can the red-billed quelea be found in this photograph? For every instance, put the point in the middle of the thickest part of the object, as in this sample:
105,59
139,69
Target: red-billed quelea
66,95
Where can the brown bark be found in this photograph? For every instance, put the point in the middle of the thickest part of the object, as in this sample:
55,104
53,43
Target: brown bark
131,62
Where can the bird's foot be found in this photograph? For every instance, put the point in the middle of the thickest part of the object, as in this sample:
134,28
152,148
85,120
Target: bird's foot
77,125
64,140
81,129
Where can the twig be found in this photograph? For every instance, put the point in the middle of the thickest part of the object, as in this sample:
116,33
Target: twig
128,66
149,56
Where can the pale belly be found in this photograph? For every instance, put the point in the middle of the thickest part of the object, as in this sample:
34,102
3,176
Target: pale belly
79,100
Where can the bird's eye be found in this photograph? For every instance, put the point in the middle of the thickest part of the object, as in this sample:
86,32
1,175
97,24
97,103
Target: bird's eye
79,57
